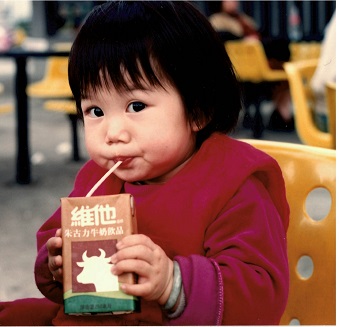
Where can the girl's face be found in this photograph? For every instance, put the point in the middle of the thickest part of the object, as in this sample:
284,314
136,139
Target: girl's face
145,128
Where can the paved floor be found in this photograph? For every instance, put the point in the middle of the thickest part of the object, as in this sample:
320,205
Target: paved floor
23,208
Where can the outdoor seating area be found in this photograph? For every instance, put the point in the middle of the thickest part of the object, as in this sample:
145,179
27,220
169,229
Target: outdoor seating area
43,148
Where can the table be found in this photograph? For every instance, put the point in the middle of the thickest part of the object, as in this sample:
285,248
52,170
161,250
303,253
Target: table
20,55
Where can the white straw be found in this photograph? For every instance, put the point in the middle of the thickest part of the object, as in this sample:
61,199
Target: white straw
103,178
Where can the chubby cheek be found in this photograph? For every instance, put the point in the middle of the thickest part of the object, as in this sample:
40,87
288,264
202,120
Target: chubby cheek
92,145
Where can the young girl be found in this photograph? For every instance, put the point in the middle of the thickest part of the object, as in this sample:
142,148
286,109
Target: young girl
157,91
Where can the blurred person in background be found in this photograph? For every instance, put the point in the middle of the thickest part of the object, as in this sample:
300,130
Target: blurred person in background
232,24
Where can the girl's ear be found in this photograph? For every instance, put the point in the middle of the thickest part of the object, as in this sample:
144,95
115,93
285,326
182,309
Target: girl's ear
196,126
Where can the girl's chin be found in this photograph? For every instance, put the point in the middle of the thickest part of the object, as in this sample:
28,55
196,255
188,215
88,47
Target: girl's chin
128,177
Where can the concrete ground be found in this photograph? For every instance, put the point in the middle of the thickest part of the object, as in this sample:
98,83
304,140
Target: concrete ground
24,208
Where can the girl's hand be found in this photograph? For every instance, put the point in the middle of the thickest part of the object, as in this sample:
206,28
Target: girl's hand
55,262
138,254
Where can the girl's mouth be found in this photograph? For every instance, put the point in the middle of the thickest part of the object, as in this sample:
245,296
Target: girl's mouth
125,161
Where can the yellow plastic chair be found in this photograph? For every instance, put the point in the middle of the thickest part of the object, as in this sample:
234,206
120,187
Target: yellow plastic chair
250,62
299,74
304,50
331,104
55,82
68,107
311,301
55,85
65,106
251,65
5,107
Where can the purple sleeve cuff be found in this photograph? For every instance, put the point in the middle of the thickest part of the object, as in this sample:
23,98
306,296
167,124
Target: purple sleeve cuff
203,288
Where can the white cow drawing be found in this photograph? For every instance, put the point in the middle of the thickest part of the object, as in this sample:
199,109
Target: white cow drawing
97,271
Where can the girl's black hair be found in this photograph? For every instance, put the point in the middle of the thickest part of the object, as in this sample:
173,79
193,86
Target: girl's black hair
156,40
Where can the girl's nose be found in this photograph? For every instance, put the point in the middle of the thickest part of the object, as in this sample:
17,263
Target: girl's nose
117,132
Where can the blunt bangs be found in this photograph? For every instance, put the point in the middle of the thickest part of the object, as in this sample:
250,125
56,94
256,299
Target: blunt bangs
156,42
106,49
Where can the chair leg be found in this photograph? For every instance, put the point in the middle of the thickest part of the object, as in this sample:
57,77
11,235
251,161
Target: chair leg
247,119
258,126
74,125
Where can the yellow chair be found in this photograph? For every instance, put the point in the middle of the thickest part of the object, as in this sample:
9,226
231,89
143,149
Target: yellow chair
251,65
299,74
54,85
65,106
55,82
304,50
331,104
5,107
311,301
250,62
68,107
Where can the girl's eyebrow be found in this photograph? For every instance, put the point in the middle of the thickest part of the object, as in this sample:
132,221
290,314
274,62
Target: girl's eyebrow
127,89
144,87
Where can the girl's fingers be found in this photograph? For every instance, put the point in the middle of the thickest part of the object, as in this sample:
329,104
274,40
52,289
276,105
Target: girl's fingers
140,252
136,239
58,275
55,262
54,245
137,289
140,267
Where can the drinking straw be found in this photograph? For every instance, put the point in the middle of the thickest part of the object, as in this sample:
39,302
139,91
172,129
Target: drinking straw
103,178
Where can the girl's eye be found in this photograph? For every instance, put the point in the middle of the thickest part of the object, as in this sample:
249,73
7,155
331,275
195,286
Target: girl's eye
136,106
95,112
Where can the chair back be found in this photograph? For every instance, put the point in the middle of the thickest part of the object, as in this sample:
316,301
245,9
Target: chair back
57,67
250,62
310,239
299,74
55,81
304,50
331,104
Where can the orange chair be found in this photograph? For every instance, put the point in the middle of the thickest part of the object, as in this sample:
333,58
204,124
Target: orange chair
304,50
331,104
250,62
54,85
55,82
251,65
299,74
305,168
5,107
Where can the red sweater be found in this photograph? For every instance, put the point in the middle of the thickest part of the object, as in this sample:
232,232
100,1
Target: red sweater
223,217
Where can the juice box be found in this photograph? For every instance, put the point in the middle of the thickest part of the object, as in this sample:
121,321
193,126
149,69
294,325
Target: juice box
91,228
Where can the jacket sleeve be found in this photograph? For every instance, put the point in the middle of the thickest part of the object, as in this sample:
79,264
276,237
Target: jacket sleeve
44,280
244,277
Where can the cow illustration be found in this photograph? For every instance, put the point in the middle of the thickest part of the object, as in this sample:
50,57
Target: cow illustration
97,271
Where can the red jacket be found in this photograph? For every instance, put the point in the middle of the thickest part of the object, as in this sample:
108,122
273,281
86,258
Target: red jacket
223,217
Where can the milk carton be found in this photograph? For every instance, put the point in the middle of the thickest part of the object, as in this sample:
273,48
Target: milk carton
91,228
